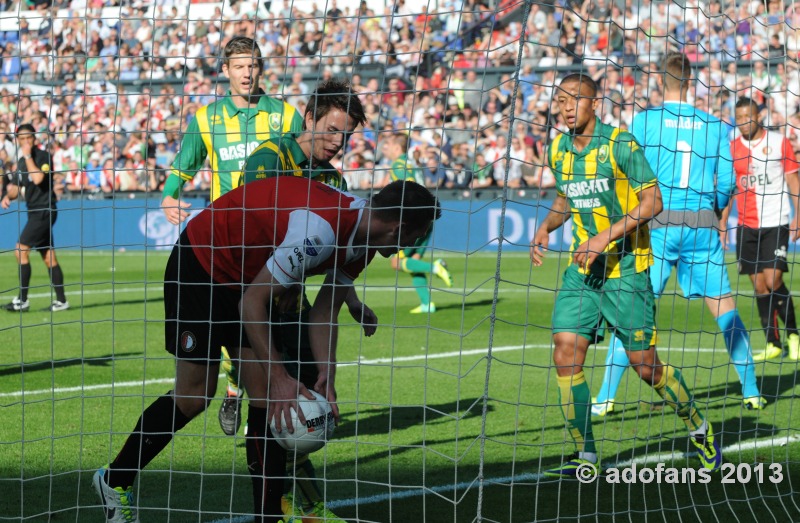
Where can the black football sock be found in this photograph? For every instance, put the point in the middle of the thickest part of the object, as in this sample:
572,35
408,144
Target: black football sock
767,316
155,429
57,279
266,461
24,280
785,307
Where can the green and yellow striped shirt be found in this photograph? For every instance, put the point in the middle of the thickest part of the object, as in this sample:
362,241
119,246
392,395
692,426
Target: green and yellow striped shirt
285,158
226,134
601,184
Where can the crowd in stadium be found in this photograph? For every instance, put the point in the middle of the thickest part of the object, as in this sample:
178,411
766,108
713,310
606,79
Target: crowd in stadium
107,137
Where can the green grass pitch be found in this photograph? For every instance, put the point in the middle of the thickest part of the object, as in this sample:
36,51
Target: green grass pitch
435,427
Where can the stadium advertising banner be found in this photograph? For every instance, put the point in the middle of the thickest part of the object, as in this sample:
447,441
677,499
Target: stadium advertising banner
466,226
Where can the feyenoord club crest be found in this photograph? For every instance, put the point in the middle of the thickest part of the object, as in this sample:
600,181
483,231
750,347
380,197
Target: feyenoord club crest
188,341
602,154
275,121
767,149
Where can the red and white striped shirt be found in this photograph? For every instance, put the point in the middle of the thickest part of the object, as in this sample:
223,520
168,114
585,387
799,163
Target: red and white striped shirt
762,199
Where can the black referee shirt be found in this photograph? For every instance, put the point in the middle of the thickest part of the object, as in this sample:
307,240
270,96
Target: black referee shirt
38,197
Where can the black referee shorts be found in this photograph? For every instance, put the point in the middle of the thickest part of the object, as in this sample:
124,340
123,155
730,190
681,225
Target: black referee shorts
38,231
201,316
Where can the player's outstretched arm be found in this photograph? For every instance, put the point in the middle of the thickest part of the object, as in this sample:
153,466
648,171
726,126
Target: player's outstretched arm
361,312
282,389
555,218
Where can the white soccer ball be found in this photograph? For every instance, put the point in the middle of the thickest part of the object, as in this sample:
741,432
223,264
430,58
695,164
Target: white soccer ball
312,435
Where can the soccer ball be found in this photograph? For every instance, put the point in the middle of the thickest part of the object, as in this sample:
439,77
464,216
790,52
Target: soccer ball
311,436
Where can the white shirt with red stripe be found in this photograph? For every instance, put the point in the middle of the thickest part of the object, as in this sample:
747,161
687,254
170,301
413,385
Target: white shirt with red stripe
762,198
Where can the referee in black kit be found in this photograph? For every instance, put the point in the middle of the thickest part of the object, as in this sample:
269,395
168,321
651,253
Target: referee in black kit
34,176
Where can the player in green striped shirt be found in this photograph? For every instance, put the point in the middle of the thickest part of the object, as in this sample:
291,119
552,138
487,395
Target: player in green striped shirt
331,114
606,186
225,132
395,148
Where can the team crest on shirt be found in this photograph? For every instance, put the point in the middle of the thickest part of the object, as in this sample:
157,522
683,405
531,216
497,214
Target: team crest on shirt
767,149
310,245
602,154
215,119
559,156
188,341
275,121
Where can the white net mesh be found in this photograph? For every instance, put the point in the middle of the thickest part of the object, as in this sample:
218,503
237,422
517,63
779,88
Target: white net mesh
449,415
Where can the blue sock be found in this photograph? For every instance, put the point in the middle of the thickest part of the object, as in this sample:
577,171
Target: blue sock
616,363
737,341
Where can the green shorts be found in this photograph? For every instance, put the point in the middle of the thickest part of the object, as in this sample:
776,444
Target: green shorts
586,304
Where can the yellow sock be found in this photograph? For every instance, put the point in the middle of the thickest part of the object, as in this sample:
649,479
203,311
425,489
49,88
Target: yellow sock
677,395
575,398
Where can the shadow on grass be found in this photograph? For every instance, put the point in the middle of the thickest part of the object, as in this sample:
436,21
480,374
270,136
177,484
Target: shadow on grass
99,361
115,303
466,304
773,386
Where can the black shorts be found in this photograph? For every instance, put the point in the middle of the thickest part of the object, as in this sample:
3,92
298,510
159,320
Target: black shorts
191,298
38,232
759,249
201,316
290,333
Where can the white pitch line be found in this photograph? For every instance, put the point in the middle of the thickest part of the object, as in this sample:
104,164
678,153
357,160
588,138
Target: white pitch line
532,477
375,361
463,293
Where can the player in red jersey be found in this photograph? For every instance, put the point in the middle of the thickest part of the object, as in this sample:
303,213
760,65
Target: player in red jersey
767,186
245,251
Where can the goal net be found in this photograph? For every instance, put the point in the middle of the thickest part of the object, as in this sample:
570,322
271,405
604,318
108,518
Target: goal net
453,409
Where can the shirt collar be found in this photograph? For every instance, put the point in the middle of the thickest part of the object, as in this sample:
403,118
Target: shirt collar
592,143
233,110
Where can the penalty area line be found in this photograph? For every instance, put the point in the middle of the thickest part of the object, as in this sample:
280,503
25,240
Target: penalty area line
376,361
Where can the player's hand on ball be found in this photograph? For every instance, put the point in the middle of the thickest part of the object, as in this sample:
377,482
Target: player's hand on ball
325,387
175,210
283,394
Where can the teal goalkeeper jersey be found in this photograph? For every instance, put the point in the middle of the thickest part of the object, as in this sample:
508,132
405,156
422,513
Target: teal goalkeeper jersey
690,152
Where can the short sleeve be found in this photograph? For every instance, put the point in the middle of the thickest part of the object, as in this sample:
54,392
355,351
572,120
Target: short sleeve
309,242
631,161
264,162
726,178
790,164
349,272
297,123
